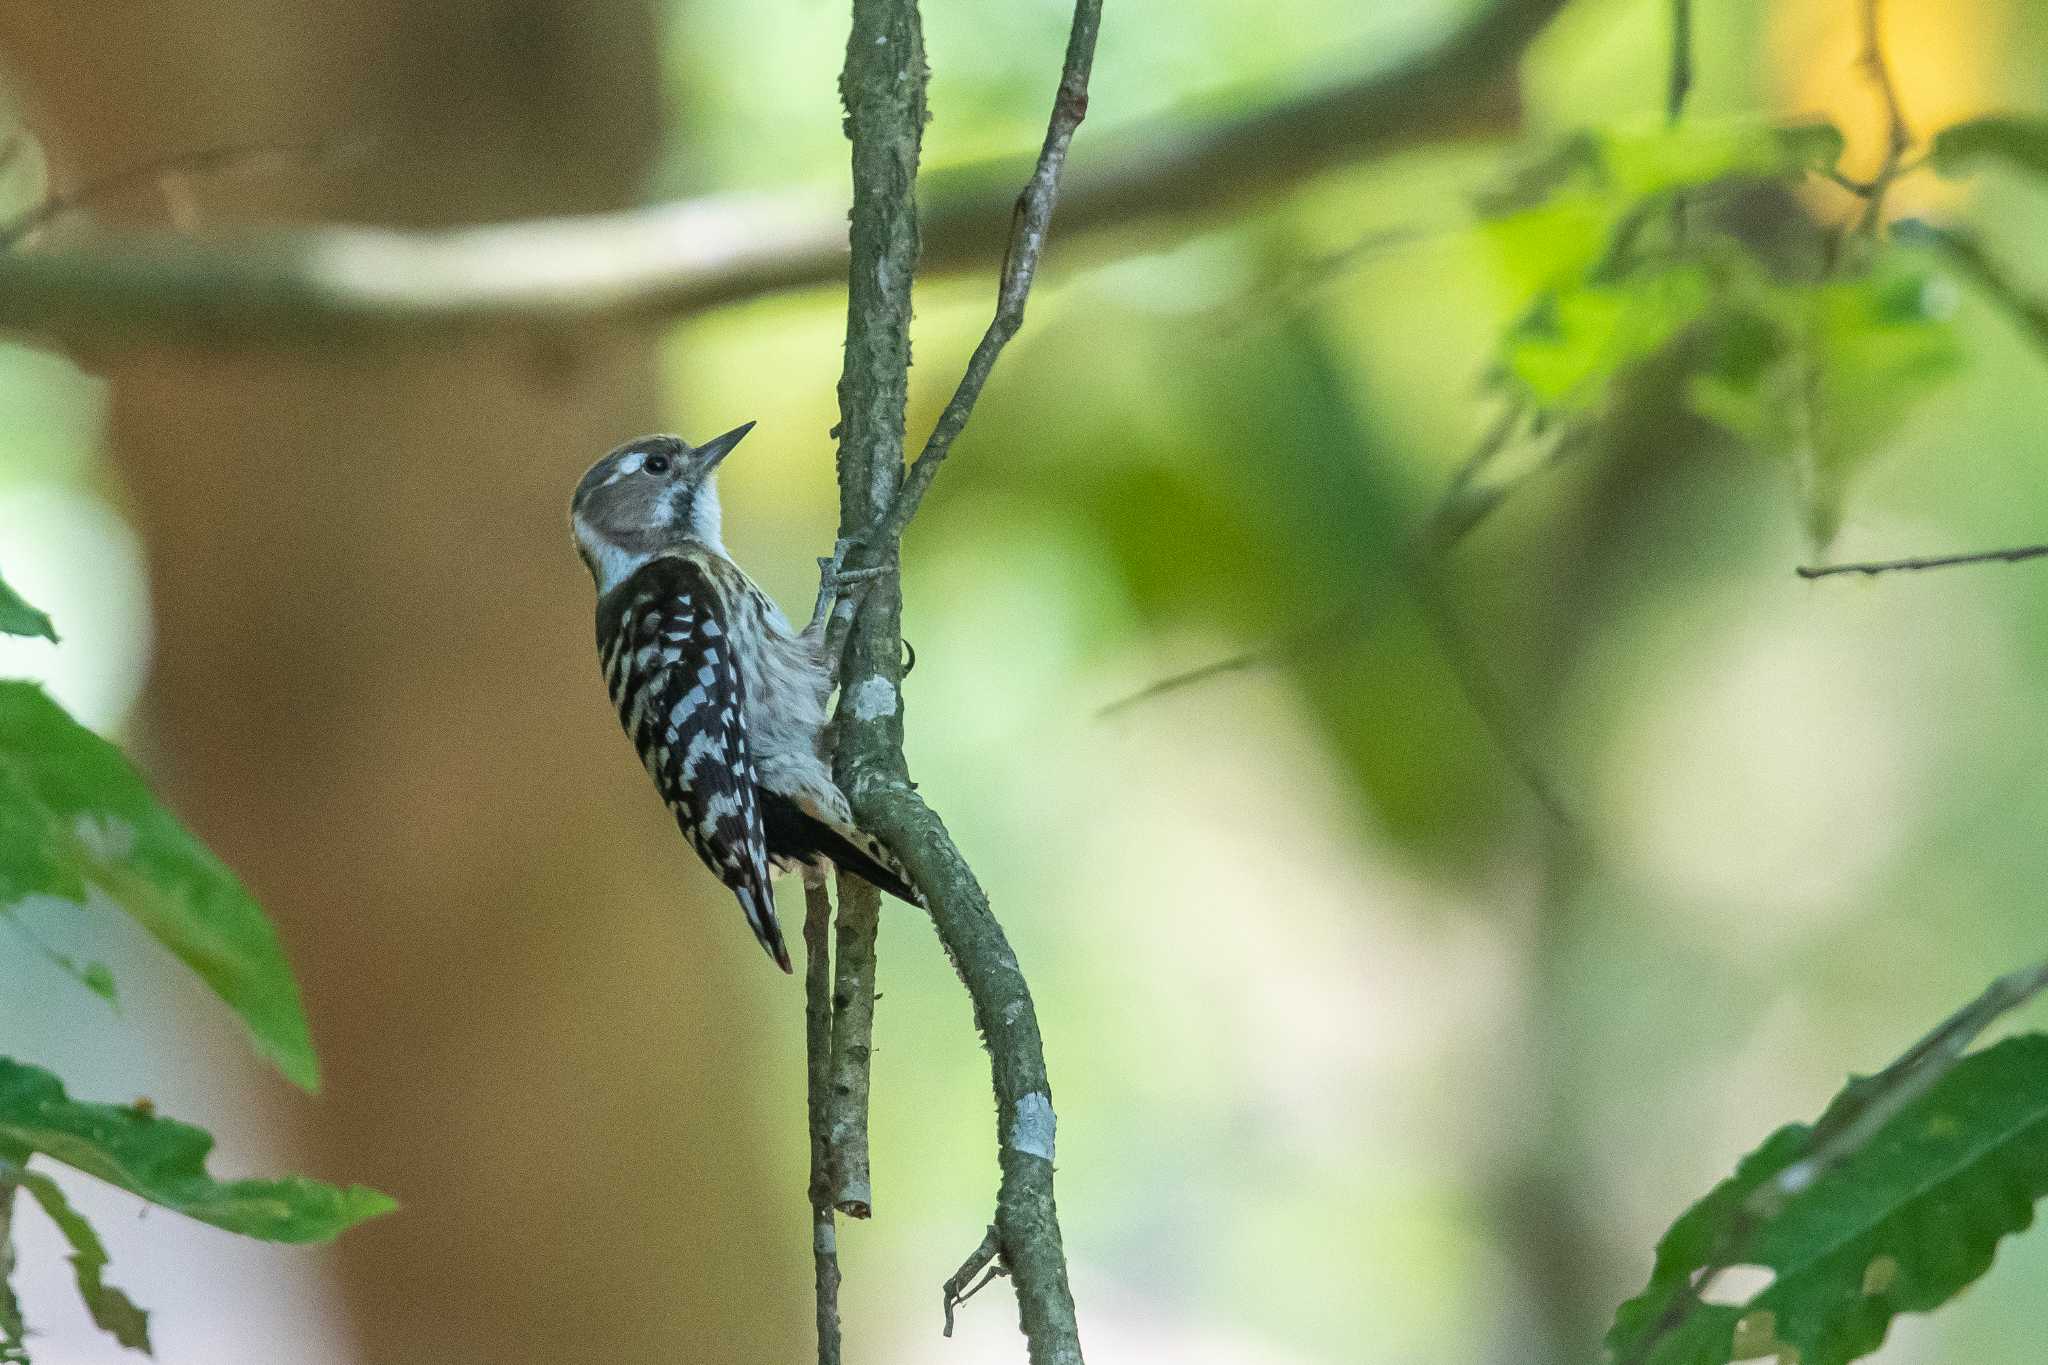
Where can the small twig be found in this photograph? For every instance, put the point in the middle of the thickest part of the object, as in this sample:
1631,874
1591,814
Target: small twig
2014,555
1029,223
1898,137
818,1052
853,1032
1462,507
955,1292
160,172
1273,651
1281,297
1877,1100
1466,502
1680,82
1483,691
1870,1104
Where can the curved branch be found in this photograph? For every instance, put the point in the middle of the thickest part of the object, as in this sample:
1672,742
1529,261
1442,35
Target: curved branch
359,284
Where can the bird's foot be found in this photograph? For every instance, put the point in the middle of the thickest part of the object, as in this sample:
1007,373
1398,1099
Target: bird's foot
834,578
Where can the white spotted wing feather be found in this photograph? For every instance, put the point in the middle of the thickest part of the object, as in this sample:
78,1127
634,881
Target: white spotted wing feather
682,695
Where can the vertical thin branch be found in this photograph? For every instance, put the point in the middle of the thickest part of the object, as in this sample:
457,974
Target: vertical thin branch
817,1049
853,1031
882,87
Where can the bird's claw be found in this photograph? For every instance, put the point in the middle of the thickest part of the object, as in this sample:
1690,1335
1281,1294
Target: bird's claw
834,577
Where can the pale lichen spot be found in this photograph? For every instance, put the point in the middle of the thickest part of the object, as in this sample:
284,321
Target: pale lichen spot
1880,1275
1031,1128
873,699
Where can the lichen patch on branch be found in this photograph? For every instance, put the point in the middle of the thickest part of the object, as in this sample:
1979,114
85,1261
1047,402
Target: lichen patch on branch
1031,1131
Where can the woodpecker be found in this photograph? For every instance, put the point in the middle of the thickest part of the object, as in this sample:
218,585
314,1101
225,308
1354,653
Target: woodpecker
723,698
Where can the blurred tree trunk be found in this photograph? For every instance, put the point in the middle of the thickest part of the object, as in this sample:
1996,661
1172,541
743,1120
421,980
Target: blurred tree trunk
377,694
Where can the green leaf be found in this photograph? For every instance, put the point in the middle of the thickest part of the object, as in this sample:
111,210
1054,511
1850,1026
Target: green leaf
1818,144
164,1162
112,1311
19,618
1699,152
1900,1227
1564,355
1555,244
2019,140
75,817
13,1331
1827,375
1883,345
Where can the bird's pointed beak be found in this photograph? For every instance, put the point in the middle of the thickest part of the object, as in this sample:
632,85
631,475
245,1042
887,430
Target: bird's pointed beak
718,447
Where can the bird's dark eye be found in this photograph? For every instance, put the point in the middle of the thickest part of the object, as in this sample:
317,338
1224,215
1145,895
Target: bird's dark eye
656,464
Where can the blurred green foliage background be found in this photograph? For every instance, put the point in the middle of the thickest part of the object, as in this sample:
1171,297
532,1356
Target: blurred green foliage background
1358,1058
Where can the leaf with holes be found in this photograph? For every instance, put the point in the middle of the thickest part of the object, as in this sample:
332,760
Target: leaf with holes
1902,1226
19,618
164,1161
75,820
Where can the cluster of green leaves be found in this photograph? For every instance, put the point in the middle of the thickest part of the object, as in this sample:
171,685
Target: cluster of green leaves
1806,334
1717,252
79,826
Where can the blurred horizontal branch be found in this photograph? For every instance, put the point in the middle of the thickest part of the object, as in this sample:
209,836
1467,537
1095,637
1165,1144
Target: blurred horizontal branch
356,284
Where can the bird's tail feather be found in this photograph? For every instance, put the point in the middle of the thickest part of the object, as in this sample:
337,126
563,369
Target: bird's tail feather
796,833
759,905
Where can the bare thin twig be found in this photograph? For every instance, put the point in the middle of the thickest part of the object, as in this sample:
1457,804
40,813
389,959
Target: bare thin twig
1463,506
1483,692
1872,568
1272,652
817,1051
853,1032
1870,1103
1029,223
1466,502
956,1291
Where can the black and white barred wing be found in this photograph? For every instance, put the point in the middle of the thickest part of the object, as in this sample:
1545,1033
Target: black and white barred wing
669,662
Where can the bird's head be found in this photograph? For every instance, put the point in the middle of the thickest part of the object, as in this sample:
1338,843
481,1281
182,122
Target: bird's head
648,496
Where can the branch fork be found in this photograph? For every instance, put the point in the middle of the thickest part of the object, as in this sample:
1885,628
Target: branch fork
883,87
